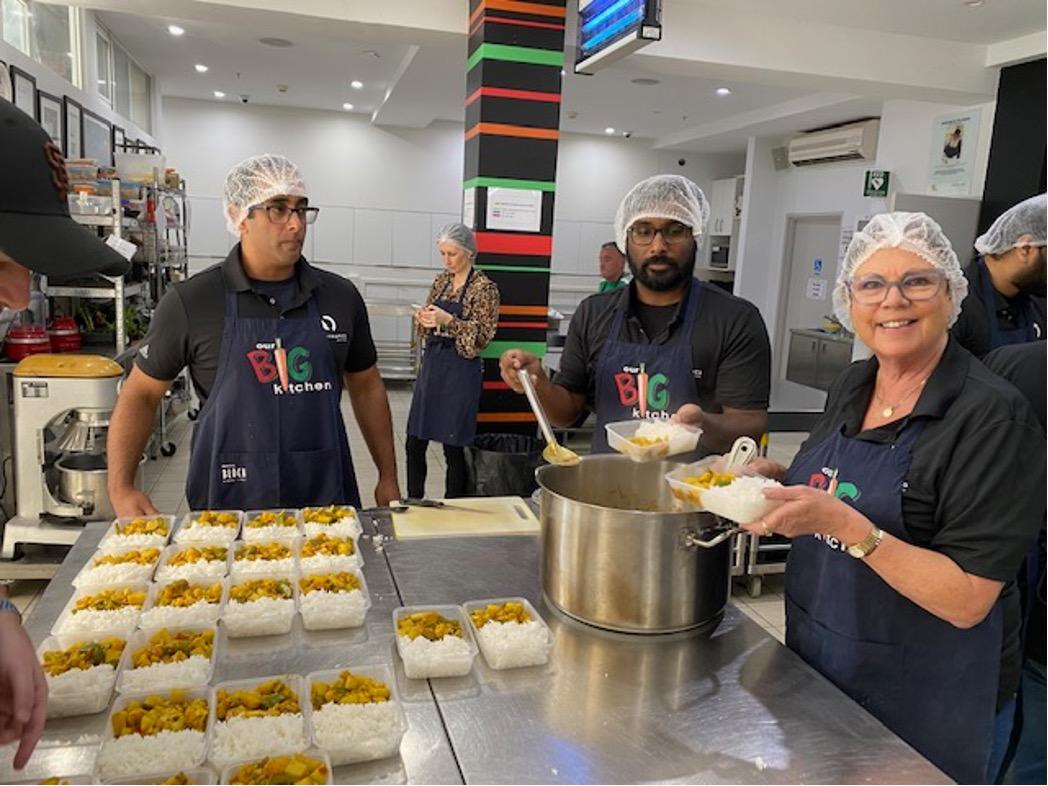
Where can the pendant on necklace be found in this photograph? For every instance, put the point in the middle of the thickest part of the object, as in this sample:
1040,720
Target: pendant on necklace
887,412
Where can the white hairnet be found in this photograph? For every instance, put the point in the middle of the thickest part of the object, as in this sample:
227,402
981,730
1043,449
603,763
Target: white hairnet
671,197
459,234
255,180
914,232
1026,218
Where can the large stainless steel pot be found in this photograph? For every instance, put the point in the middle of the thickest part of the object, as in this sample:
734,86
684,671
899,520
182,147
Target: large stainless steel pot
82,482
618,552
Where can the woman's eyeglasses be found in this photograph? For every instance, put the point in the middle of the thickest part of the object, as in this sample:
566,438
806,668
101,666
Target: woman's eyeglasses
916,286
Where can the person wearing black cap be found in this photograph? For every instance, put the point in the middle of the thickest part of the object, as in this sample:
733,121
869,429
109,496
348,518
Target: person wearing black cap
36,236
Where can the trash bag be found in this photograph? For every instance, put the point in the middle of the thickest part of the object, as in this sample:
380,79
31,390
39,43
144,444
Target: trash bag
502,465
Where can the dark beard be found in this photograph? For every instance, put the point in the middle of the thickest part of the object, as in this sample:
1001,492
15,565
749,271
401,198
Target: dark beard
677,274
1034,281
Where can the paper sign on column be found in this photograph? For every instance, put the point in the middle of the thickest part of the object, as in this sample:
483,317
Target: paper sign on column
469,208
515,209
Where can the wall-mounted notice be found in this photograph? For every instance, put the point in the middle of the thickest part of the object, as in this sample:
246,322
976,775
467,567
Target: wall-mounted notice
816,289
515,209
469,208
954,141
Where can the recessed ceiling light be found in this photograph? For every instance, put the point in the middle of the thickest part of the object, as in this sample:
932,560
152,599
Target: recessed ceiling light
644,81
609,130
356,84
348,107
723,91
974,3
280,43
200,68
219,94
175,30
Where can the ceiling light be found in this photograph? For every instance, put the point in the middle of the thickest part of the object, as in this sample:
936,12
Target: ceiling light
175,30
356,84
723,91
348,107
219,94
609,130
280,43
644,81
974,3
200,68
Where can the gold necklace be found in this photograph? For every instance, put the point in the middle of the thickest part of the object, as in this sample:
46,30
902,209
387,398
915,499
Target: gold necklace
889,409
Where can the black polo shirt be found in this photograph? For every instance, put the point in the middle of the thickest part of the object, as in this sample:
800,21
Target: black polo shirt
186,329
972,328
975,489
731,356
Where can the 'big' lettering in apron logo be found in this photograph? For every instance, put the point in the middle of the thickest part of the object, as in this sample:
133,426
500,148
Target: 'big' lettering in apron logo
648,394
288,371
844,490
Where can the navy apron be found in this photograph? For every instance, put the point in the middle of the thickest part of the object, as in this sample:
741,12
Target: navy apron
1027,330
271,433
447,392
644,380
932,684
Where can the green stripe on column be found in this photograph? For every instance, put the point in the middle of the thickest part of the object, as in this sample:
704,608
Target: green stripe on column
505,182
494,349
514,54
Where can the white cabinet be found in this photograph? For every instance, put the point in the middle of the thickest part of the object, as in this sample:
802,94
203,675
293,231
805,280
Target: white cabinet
725,205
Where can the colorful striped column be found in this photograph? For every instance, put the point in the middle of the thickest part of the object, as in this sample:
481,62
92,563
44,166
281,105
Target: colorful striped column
516,52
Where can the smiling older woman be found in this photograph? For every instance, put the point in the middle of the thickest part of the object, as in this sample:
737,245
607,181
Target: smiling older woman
935,469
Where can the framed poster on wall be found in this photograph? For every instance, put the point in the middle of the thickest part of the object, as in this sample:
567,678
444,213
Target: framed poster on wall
23,86
5,82
49,113
72,128
98,138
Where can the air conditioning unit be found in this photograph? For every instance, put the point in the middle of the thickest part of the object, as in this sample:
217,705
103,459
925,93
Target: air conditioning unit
855,142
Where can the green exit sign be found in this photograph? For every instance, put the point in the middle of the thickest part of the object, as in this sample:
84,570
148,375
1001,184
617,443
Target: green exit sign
876,184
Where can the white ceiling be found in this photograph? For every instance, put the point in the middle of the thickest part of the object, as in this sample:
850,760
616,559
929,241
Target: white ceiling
413,76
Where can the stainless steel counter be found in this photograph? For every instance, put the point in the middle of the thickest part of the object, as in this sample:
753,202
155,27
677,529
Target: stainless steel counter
731,706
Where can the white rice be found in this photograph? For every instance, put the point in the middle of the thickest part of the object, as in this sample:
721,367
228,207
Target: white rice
115,542
266,567
271,532
90,621
343,528
211,569
79,691
357,732
510,645
200,613
134,754
239,739
193,672
680,439
203,533
324,563
262,617
118,573
451,656
741,500
323,610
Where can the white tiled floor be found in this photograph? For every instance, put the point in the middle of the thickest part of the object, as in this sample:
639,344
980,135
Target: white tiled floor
164,481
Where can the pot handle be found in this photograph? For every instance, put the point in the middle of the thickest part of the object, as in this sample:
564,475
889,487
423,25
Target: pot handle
690,539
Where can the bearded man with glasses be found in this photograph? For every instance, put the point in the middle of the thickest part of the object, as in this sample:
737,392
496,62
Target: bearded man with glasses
667,346
270,342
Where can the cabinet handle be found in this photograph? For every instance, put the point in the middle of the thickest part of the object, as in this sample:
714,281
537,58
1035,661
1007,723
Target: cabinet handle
822,348
814,347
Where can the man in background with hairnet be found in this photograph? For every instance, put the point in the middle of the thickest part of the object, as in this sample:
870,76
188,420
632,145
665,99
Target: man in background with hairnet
666,346
270,341
1006,293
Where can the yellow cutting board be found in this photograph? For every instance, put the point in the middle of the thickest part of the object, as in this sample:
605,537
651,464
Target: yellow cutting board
492,516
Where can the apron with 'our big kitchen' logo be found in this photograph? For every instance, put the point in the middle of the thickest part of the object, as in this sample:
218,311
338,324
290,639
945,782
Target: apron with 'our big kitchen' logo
271,433
644,380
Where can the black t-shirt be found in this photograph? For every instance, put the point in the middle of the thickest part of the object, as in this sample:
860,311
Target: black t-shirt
186,329
731,356
975,488
972,330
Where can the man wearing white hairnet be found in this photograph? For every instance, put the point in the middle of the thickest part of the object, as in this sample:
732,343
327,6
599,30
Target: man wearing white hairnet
1006,293
270,342
666,346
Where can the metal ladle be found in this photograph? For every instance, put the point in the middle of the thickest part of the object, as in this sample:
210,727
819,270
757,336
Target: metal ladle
554,452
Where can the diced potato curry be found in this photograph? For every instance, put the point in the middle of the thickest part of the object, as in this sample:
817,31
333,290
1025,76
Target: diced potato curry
135,556
267,699
710,479
83,655
167,647
215,518
647,442
428,624
297,768
181,594
178,779
510,611
265,552
349,688
328,546
273,518
328,515
143,526
154,714
256,589
110,600
329,582
194,554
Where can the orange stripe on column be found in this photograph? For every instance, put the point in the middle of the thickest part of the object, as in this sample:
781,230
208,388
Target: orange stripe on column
505,92
523,311
526,245
504,129
517,7
505,417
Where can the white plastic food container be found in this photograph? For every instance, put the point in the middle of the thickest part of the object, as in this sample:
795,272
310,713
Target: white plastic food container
191,532
80,691
92,575
229,772
678,439
272,532
201,613
263,617
509,645
196,775
239,739
344,527
214,569
741,501
115,538
324,563
135,754
329,610
92,622
450,657
351,733
263,567
683,490
190,673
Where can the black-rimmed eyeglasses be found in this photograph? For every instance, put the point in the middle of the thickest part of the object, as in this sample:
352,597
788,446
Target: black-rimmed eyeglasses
281,214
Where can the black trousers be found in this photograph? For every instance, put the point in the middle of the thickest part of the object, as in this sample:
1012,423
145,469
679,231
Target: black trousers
454,480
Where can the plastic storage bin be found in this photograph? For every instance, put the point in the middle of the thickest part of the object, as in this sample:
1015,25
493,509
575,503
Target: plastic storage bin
262,736
214,569
188,533
681,440
351,733
266,617
199,614
64,701
516,647
229,772
91,622
159,678
422,662
116,536
272,532
330,610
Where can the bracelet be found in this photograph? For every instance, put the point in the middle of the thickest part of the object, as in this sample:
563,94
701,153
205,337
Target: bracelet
7,605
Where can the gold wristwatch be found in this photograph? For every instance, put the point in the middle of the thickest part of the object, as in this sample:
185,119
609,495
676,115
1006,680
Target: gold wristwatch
866,546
